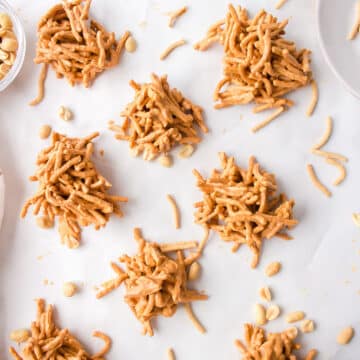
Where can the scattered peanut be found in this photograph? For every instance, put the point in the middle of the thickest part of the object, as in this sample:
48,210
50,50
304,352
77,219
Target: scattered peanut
194,271
272,312
260,314
295,316
5,22
69,289
130,44
292,332
44,222
356,219
273,268
20,335
265,293
307,326
45,131
186,151
65,113
166,161
345,335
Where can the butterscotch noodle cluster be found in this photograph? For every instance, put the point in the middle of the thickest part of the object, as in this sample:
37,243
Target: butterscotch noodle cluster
71,188
273,346
155,282
158,119
48,341
76,46
242,205
260,65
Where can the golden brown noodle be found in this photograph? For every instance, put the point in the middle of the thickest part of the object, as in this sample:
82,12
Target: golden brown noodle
175,209
315,98
194,319
268,120
41,85
315,180
171,48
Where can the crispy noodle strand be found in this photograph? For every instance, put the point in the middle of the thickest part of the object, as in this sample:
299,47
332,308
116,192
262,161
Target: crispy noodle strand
356,27
341,168
171,48
176,212
326,137
194,319
171,354
174,15
315,180
41,85
280,4
314,99
268,120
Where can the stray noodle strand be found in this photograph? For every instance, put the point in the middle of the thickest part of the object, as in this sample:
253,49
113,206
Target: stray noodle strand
41,85
341,168
204,240
280,4
268,120
174,15
315,180
314,99
194,319
325,138
331,155
171,354
107,344
176,211
171,48
181,245
355,29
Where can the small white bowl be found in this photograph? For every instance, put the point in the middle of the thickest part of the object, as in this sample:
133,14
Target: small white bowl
5,7
335,19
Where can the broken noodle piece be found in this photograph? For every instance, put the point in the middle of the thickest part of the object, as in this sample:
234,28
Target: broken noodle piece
175,209
76,46
48,341
356,27
171,48
242,205
71,188
315,180
174,15
155,282
275,346
260,65
158,119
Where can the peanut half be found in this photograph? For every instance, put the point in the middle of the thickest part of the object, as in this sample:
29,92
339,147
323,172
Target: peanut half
273,268
265,293
307,326
345,335
272,312
295,316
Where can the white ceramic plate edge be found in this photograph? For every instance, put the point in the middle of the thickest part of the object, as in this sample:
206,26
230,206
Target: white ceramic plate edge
326,55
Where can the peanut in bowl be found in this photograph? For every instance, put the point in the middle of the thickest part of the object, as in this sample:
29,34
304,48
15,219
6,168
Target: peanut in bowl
12,45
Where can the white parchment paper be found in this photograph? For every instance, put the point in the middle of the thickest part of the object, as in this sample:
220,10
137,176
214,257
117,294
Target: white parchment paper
320,266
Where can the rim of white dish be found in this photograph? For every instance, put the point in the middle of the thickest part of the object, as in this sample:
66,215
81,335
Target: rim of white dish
20,34
2,196
327,57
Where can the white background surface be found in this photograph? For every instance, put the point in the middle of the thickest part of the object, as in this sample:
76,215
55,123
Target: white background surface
320,267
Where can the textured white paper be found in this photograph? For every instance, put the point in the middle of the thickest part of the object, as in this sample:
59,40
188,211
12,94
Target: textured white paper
320,266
